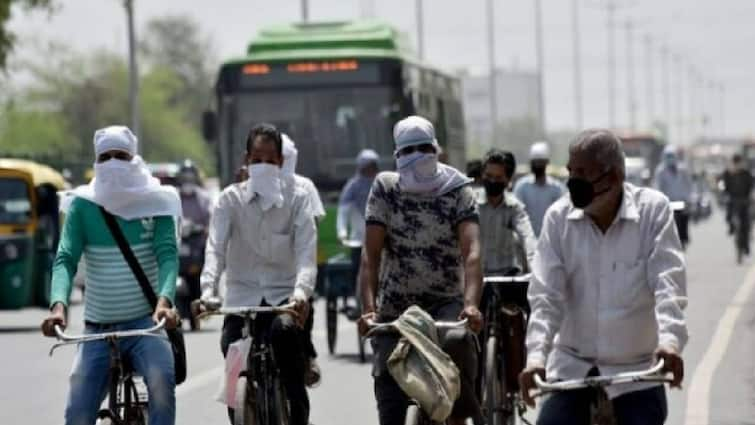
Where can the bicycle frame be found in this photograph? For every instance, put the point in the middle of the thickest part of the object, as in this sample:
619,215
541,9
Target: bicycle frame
119,381
261,369
500,315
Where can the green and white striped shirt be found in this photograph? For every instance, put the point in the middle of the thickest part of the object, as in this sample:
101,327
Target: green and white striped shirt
112,292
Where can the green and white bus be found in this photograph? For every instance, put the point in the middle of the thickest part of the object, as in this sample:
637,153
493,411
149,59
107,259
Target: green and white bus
334,88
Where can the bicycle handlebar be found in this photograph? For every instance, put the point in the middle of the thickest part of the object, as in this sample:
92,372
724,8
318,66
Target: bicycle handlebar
650,375
374,327
76,339
249,310
525,278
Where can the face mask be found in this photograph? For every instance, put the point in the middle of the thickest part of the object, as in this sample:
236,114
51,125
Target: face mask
422,165
492,188
582,191
538,170
115,173
264,180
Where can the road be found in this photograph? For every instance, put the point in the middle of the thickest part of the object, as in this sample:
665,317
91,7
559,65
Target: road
718,387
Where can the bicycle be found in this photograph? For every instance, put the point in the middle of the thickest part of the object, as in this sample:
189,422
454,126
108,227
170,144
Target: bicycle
506,313
414,414
601,411
128,400
260,396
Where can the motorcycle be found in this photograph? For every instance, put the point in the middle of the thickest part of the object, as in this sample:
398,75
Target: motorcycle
191,261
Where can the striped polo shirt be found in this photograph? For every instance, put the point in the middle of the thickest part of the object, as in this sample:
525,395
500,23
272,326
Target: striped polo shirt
112,292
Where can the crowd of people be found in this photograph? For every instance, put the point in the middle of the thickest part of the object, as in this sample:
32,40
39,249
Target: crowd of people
607,292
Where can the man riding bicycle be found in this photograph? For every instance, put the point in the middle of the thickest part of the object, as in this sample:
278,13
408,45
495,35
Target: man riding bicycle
738,185
146,213
507,239
608,289
263,236
422,237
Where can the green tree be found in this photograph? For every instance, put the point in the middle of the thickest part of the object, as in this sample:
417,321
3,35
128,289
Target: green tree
177,43
7,38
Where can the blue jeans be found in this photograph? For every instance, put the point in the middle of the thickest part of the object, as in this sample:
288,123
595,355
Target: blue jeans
151,357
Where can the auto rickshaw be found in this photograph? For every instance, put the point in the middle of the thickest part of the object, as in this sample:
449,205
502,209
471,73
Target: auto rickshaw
29,232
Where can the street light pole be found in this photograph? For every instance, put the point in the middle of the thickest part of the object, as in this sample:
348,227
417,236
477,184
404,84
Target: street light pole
610,23
665,71
631,94
133,73
649,79
578,111
305,10
540,64
492,81
420,29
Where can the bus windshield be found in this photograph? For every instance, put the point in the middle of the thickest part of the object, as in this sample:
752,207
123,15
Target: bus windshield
15,205
329,125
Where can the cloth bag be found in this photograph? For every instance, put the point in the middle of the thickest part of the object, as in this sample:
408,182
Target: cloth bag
421,368
235,363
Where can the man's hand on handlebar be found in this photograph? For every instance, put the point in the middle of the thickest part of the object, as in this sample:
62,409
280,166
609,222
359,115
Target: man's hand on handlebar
474,316
301,306
364,322
165,311
527,383
57,317
673,364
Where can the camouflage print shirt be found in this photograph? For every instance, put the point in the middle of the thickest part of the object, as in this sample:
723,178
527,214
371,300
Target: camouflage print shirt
421,261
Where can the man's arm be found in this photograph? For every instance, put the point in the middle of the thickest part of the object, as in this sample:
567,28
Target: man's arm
69,253
215,251
370,265
469,242
523,228
546,293
166,252
305,251
667,279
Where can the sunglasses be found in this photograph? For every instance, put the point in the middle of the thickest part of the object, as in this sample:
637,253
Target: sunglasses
107,156
424,148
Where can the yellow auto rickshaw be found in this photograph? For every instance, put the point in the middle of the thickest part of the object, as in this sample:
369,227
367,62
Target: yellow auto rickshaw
29,231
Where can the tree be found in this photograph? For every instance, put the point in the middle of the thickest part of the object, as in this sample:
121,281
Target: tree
79,93
177,43
7,38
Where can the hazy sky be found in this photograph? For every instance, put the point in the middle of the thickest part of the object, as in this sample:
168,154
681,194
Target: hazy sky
715,36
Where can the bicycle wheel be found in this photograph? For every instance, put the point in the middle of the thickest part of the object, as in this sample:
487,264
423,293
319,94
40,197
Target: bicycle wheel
245,412
282,407
331,318
412,415
494,387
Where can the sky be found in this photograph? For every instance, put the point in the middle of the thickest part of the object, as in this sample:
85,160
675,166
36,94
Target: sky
713,36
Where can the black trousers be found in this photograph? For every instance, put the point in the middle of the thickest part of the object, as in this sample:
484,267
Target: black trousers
292,347
681,218
646,407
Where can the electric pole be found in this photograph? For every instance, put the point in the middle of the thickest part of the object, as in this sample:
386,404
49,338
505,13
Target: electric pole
133,72
610,23
493,76
665,76
305,10
631,94
420,30
540,64
649,80
576,30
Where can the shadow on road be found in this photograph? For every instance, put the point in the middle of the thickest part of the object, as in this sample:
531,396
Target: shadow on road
352,358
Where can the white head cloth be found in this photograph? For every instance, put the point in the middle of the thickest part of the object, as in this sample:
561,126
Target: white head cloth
540,150
290,156
125,189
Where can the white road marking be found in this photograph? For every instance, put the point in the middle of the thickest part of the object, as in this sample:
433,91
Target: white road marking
698,397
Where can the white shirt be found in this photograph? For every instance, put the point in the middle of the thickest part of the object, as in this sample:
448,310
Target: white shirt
607,300
266,254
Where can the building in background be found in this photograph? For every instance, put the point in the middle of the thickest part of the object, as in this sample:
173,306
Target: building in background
519,121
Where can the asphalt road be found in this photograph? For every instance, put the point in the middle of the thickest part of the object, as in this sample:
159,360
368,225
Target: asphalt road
33,386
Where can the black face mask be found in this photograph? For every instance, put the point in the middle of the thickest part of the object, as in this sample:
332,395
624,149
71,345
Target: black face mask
582,191
538,170
493,188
